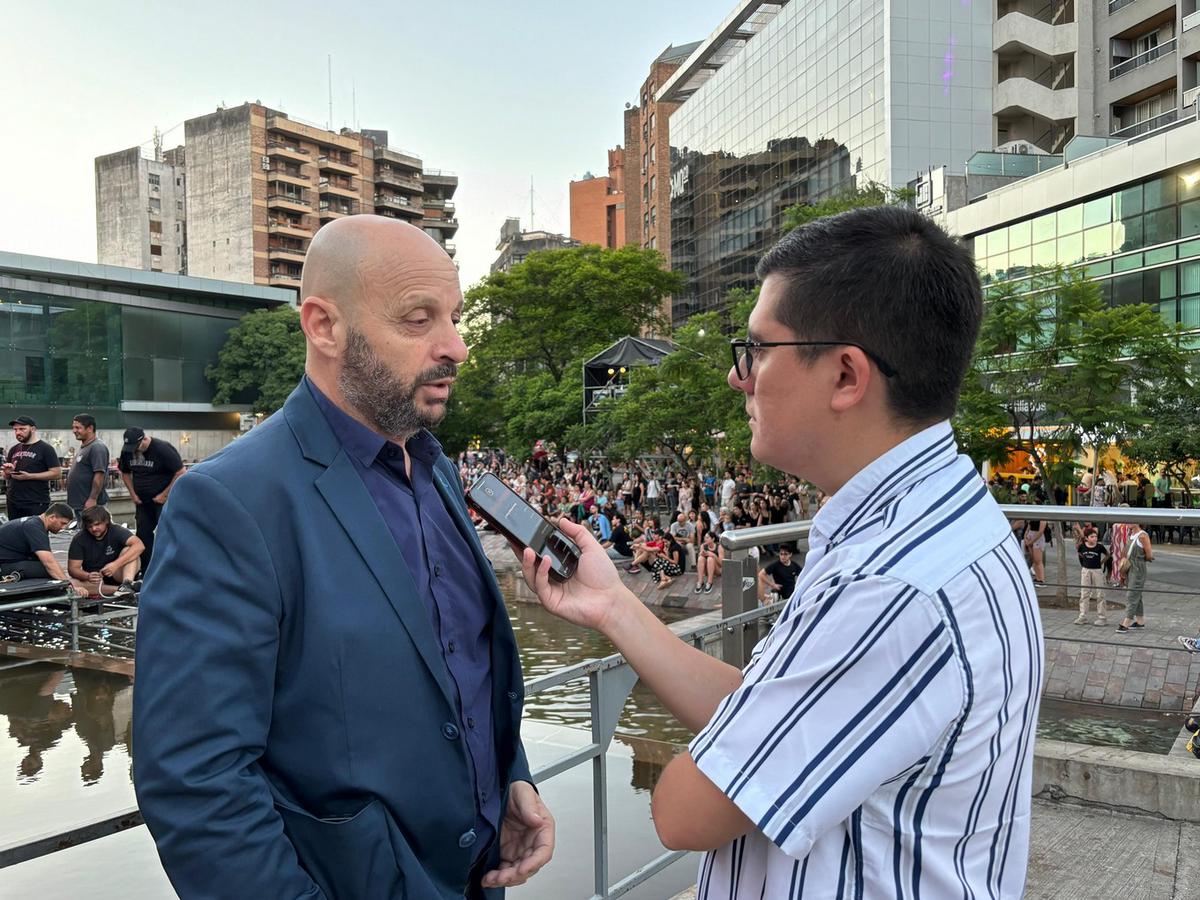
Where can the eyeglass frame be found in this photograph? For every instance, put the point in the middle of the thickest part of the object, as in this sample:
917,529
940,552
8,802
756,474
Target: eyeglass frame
745,345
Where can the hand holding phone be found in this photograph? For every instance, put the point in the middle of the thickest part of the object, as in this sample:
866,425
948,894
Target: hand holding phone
523,525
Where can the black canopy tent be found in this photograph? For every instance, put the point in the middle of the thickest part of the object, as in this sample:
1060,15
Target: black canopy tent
606,374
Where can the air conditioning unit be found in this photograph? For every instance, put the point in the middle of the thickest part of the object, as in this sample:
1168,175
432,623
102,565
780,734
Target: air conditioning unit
1021,147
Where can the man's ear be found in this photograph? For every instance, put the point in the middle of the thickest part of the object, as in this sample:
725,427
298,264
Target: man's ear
321,322
853,378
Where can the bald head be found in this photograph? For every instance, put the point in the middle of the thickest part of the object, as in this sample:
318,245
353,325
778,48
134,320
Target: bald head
368,257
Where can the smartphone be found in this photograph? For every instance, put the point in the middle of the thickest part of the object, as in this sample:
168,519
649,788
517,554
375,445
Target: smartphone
523,525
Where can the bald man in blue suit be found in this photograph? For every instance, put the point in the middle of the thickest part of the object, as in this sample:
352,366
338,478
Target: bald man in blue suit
328,695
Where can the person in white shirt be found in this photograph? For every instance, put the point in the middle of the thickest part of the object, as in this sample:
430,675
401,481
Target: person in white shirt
879,744
728,486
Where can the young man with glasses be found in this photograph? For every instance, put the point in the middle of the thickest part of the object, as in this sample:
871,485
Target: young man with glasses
880,741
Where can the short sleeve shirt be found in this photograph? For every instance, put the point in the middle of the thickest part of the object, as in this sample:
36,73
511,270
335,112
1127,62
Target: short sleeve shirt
91,459
96,554
882,737
36,457
153,470
22,539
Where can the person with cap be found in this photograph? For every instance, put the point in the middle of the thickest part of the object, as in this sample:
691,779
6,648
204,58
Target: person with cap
30,467
149,467
86,477
25,548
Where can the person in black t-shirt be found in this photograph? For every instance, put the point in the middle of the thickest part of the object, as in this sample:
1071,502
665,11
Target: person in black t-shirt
780,576
25,546
149,466
30,467
1093,556
103,555
619,545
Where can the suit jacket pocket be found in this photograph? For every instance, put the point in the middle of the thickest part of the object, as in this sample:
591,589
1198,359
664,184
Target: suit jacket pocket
350,858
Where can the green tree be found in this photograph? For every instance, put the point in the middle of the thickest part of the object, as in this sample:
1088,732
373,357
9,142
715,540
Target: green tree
1167,434
1053,372
872,194
262,360
684,405
531,329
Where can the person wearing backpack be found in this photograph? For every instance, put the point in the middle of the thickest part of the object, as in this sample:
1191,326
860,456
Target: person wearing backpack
1133,568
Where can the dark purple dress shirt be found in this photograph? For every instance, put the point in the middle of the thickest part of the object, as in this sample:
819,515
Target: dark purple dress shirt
447,578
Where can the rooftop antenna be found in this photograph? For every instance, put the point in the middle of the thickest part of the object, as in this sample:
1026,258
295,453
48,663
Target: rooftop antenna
353,104
531,228
329,66
158,141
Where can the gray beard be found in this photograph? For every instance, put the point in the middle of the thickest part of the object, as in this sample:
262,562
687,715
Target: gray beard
388,403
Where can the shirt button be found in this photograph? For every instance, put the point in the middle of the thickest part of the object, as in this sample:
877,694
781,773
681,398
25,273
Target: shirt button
466,839
450,731
483,796
392,452
470,722
450,647
437,570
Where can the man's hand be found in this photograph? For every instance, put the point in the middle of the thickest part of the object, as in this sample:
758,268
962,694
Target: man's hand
137,501
526,837
160,499
19,476
590,595
109,571
89,503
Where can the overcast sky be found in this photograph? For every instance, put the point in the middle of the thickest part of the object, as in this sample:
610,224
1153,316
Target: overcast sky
496,92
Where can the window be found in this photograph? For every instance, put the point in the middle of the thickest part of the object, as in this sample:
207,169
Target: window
652,184
651,154
155,227
155,205
155,250
154,183
1189,219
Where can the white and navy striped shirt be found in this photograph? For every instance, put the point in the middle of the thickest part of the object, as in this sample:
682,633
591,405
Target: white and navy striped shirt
882,738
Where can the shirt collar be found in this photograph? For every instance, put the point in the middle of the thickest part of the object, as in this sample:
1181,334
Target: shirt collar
363,443
884,479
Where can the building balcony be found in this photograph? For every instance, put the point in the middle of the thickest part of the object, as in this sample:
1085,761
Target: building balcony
1142,59
313,133
288,201
290,254
285,177
1025,95
1191,20
285,150
391,177
1189,100
329,164
439,177
1020,31
450,248
447,226
289,278
401,204
289,230
337,190
336,212
1148,125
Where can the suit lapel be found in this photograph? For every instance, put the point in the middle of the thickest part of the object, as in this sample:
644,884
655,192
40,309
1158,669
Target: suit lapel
347,496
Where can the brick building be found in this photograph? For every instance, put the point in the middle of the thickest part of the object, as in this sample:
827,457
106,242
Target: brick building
259,184
598,205
648,158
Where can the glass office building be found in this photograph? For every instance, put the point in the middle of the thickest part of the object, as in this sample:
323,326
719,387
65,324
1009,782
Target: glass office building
1140,242
127,345
793,103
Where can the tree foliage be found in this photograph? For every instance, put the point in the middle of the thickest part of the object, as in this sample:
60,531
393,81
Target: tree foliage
1167,432
531,329
261,361
1055,369
872,194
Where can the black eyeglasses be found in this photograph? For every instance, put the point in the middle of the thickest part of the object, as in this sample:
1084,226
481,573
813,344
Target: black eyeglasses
743,353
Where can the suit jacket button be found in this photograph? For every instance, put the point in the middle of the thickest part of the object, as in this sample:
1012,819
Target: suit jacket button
512,695
450,731
466,839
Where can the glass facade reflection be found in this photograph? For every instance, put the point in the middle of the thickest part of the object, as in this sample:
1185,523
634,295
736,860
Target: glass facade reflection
827,96
1141,243
104,336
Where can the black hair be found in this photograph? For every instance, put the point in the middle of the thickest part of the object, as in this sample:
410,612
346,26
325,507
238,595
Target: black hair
61,510
94,515
888,278
87,420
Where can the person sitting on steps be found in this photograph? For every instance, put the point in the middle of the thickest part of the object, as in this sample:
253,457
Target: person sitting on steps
104,556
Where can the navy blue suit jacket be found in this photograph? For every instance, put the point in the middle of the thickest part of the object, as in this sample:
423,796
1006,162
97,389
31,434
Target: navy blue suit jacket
295,725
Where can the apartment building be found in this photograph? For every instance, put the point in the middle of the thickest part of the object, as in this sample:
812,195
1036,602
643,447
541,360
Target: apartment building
1108,68
647,179
598,205
515,245
259,184
141,217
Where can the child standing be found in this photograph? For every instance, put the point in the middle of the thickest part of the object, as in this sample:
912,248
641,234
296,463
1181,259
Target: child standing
1092,558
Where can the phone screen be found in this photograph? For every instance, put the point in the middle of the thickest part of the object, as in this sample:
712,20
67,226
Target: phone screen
520,522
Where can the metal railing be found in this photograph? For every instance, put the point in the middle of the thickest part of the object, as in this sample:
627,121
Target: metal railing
1114,5
1147,125
612,679
1136,62
1191,20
